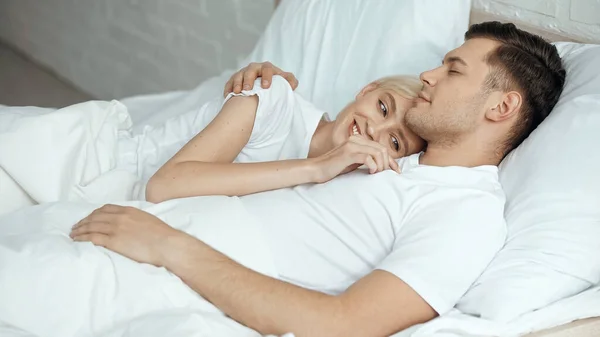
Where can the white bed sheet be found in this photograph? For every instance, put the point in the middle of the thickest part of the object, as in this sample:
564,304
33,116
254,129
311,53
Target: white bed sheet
102,121
151,110
53,286
456,324
48,155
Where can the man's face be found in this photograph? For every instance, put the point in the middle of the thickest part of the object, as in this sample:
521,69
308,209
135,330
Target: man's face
453,101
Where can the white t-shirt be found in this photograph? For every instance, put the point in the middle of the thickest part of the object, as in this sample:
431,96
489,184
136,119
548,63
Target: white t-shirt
436,228
283,129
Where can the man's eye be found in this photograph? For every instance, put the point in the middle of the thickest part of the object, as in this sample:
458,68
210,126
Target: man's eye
383,108
395,143
451,71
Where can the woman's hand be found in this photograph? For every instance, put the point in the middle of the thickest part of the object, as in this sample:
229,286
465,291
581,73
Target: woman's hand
355,152
245,77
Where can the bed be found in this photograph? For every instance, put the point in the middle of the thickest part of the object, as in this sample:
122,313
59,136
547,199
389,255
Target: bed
306,58
580,328
587,327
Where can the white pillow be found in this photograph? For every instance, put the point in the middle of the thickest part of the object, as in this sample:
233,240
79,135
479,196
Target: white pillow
336,47
12,195
65,154
552,183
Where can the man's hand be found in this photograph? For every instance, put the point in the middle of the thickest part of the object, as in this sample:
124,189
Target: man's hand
245,77
128,231
352,154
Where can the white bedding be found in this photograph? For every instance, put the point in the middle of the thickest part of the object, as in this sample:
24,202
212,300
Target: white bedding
152,110
64,154
76,153
456,324
50,286
53,286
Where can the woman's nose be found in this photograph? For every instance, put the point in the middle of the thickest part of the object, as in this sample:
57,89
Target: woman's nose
372,131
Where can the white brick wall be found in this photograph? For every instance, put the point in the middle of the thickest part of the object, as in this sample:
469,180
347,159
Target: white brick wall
118,48
577,18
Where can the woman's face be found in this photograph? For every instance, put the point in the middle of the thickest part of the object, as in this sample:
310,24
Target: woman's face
378,114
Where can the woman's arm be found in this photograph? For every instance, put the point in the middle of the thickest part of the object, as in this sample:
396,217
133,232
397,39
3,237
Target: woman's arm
193,178
204,165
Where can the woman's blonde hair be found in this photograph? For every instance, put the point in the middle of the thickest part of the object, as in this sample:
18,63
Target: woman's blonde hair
407,86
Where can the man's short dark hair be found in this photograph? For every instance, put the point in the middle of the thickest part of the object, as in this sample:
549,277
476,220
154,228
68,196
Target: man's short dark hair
527,63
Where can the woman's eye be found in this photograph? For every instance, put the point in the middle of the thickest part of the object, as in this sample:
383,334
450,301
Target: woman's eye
383,108
395,143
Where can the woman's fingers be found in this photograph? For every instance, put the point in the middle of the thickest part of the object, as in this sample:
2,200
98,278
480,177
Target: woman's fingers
268,71
377,151
245,78
235,83
228,87
394,165
371,164
366,155
251,73
292,80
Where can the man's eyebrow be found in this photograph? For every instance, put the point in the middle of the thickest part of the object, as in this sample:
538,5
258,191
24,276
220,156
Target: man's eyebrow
392,101
455,59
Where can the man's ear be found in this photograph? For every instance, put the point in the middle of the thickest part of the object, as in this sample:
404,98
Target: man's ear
368,88
508,104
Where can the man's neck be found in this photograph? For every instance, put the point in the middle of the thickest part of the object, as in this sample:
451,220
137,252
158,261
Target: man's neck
467,154
321,141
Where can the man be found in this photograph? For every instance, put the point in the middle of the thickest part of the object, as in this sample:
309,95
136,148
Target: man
347,273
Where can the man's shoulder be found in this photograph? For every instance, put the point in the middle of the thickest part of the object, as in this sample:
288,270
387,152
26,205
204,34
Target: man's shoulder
469,205
476,198
435,184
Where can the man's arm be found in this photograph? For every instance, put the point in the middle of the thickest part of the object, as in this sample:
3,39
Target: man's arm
379,304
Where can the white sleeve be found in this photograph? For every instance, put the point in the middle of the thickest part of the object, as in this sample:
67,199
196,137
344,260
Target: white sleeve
275,111
446,243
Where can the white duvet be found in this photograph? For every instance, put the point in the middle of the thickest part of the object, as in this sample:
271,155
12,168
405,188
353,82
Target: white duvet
52,286
65,160
66,154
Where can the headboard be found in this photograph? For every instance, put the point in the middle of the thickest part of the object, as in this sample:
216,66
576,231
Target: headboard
552,36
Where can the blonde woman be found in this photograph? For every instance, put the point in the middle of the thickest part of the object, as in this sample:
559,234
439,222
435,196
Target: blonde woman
264,139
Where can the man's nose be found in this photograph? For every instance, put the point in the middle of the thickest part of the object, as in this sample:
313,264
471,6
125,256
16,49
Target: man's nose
428,78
